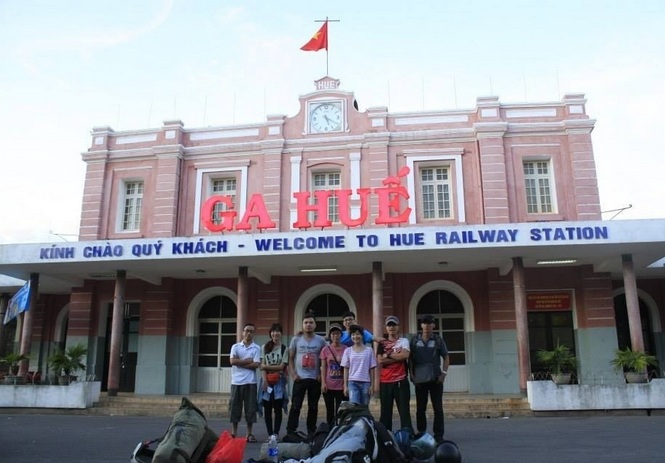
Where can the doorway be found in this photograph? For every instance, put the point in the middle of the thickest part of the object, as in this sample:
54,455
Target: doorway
546,331
128,347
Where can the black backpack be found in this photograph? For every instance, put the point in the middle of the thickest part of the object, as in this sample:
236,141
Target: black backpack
319,438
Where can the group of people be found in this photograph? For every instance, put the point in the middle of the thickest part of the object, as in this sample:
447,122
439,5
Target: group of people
342,369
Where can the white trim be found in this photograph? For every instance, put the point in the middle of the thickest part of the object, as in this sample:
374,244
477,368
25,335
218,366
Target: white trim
553,185
197,302
541,112
121,198
459,185
309,294
136,139
430,120
295,186
354,175
199,136
443,285
241,195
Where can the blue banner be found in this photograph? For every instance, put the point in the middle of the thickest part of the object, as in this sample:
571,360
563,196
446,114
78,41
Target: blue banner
18,303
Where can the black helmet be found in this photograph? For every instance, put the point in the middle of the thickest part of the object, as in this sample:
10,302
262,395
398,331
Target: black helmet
447,452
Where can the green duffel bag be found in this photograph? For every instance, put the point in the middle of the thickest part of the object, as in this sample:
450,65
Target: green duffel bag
184,435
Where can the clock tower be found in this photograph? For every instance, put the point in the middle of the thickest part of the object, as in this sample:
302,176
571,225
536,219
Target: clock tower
326,109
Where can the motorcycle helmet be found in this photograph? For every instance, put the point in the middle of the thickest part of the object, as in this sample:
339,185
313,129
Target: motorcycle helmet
447,452
423,447
403,439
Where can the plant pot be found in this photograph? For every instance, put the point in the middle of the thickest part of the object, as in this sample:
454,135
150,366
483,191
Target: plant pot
63,380
562,378
636,378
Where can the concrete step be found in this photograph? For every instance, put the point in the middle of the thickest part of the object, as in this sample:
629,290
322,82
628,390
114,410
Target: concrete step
216,405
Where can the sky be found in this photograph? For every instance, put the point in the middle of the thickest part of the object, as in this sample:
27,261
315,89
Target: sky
68,66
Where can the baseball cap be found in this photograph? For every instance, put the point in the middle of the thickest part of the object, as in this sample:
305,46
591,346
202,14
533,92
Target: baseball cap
427,319
335,326
392,319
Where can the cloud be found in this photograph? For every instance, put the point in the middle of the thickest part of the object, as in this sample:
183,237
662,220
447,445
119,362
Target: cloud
85,37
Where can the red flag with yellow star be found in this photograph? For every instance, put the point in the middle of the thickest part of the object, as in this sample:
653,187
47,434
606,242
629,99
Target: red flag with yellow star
319,40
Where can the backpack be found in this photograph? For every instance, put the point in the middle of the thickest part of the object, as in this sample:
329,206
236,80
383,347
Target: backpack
188,438
348,412
419,372
319,437
295,437
389,451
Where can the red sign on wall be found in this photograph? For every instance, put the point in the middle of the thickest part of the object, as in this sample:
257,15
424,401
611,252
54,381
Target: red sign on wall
548,301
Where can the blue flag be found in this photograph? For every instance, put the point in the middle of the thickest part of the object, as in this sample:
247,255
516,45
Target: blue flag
18,303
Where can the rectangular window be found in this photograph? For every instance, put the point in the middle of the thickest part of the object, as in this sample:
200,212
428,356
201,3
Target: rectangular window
537,181
435,188
328,181
224,187
133,202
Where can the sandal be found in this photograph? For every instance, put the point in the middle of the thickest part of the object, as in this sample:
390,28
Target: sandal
251,439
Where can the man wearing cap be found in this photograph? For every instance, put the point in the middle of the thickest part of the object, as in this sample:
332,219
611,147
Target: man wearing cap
332,375
427,352
392,354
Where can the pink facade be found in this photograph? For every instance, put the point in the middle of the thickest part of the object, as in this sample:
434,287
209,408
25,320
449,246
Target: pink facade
485,146
484,187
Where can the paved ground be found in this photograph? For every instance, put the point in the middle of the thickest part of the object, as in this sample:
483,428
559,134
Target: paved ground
101,439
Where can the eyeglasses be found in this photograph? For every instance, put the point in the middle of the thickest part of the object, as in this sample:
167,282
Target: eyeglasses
348,319
391,324
248,331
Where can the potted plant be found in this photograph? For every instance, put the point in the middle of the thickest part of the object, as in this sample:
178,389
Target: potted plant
633,364
66,363
12,360
560,362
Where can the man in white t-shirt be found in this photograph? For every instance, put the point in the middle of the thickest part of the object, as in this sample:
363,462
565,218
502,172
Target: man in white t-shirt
245,359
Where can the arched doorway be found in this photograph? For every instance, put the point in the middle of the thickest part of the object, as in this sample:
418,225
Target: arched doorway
212,323
451,307
648,322
328,309
328,302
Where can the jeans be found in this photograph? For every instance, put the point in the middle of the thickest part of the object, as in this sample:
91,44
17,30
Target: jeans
359,392
312,388
435,391
399,393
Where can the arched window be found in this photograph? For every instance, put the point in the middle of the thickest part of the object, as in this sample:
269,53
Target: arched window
448,311
217,331
623,328
328,308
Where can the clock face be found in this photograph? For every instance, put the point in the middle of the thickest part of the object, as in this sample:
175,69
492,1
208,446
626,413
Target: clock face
325,117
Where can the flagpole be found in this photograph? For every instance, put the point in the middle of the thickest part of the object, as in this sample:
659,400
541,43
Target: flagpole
315,44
